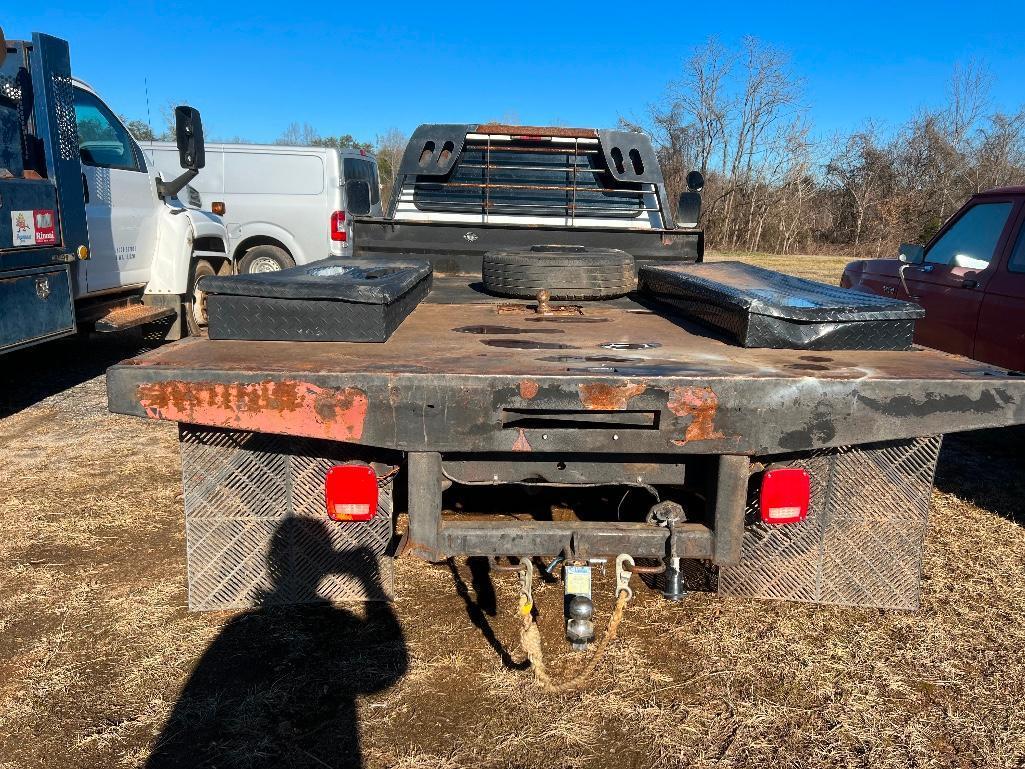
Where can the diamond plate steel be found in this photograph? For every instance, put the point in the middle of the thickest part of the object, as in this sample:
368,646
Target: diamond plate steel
256,529
861,544
64,113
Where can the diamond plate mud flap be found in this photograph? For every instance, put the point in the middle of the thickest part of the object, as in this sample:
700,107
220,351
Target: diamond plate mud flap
256,527
861,544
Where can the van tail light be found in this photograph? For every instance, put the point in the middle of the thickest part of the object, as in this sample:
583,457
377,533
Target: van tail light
338,231
785,495
351,493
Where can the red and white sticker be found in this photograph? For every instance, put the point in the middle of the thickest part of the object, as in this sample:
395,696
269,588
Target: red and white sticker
33,228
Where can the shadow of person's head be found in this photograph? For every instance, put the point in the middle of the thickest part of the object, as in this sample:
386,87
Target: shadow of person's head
279,683
311,561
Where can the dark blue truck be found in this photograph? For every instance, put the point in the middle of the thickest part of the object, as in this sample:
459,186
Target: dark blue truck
42,216
91,236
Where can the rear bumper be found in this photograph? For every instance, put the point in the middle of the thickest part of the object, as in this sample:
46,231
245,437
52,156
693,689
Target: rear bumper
431,537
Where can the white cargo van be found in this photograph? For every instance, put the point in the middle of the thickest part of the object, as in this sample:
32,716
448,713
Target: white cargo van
282,205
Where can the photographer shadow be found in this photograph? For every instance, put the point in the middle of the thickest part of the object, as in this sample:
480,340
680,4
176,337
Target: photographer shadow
279,685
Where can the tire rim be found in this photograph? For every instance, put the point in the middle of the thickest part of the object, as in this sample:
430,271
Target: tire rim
264,264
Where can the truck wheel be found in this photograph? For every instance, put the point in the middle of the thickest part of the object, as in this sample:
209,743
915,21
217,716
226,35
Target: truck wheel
194,306
265,259
567,272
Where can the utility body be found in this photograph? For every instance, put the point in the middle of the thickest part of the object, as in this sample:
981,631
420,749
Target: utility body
90,234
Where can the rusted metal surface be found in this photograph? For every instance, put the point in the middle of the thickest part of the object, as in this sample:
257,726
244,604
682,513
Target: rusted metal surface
270,406
559,310
607,538
528,389
131,315
433,386
700,404
599,396
564,471
530,130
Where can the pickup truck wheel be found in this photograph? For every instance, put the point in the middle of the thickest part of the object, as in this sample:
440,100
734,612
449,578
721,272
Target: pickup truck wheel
265,259
194,306
567,272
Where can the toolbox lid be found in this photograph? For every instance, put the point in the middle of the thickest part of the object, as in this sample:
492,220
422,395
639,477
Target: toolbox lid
759,291
361,281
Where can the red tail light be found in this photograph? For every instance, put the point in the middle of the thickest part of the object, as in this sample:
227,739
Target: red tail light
351,493
785,495
338,226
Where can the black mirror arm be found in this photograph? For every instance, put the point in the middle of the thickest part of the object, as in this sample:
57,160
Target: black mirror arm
170,189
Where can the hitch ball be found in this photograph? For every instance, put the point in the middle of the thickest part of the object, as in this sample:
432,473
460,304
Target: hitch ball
579,627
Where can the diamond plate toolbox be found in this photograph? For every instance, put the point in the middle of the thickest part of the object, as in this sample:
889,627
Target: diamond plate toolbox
861,544
256,527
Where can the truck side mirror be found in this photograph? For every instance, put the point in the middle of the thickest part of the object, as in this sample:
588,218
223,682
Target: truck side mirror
357,197
911,253
188,133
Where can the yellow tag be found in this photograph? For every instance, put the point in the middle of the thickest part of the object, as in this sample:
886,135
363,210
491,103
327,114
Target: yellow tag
578,580
525,608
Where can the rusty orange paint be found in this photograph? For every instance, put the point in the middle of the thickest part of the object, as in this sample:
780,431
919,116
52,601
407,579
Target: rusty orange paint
521,443
288,407
528,389
606,397
700,404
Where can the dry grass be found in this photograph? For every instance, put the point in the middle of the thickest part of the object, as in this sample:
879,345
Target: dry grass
817,267
96,645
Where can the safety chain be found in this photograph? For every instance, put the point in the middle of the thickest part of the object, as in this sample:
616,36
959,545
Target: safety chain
530,636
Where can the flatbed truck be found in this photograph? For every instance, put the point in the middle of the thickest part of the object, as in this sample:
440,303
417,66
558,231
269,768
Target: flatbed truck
791,474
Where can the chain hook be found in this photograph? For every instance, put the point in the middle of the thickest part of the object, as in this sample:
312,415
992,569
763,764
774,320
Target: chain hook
526,573
624,566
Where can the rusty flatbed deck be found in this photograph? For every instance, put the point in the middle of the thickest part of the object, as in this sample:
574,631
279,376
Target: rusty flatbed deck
465,373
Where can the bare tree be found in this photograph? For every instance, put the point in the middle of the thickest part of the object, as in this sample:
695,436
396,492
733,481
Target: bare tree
298,135
389,148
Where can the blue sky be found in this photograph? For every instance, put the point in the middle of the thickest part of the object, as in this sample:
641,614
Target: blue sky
363,68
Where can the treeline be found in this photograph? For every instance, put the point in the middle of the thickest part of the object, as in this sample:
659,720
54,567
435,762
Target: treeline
772,185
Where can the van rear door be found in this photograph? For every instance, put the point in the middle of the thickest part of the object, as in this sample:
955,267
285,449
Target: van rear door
361,169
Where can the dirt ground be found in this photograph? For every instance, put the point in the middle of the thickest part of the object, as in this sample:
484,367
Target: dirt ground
102,666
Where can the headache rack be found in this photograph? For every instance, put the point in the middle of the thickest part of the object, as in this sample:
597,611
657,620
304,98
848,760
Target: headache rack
568,174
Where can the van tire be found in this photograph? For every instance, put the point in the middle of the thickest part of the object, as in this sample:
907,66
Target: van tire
565,272
194,303
262,257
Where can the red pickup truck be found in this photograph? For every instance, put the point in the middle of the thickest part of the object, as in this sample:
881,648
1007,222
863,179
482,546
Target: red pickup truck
970,279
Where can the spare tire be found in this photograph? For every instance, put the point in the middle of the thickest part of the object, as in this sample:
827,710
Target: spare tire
566,272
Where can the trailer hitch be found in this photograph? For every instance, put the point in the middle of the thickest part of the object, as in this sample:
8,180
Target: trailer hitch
669,514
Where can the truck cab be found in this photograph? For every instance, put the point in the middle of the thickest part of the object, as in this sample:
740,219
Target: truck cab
970,278
91,236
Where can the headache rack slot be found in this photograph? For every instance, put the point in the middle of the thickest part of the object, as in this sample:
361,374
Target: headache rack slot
517,176
566,419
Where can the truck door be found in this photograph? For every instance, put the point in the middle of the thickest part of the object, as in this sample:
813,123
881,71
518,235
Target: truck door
1000,338
958,265
120,198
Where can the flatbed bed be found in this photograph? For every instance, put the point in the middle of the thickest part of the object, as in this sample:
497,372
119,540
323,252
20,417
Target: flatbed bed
471,373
